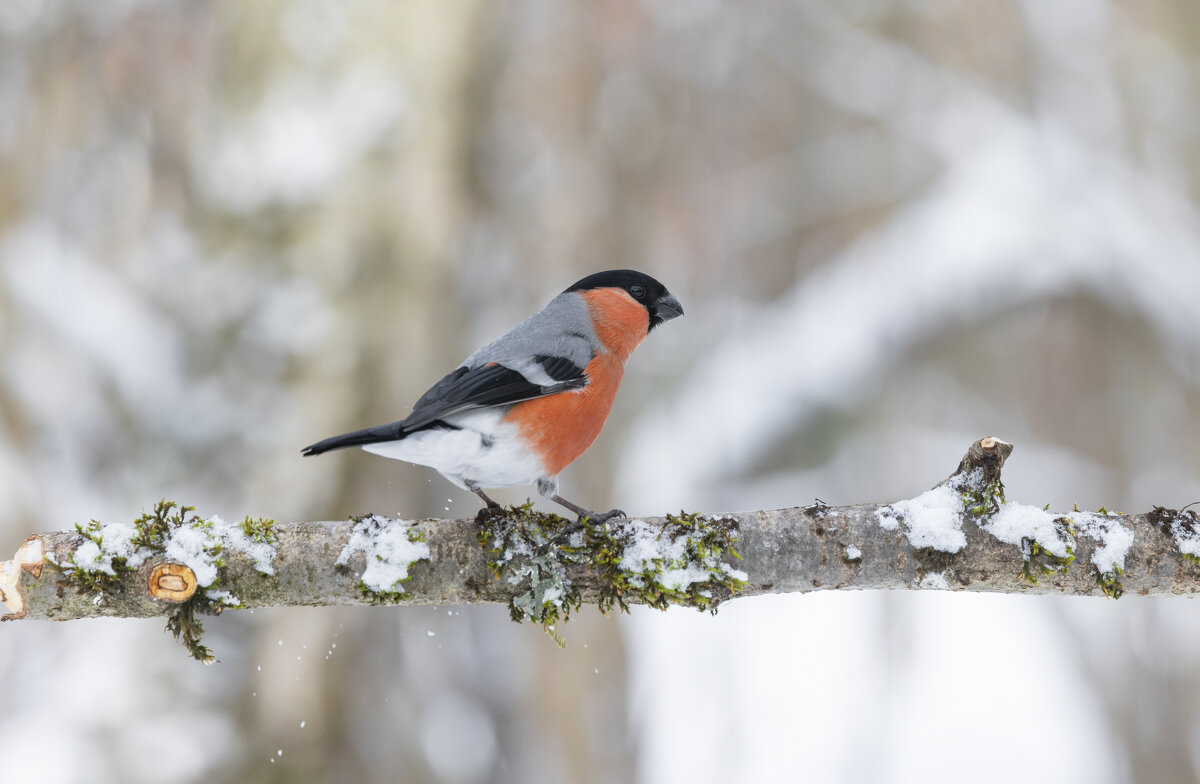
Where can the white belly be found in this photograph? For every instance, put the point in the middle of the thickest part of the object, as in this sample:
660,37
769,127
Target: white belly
485,450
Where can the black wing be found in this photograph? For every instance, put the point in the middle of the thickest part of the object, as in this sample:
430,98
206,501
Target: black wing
460,390
492,385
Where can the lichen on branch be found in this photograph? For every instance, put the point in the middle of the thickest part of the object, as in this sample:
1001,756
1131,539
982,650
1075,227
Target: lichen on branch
685,560
964,534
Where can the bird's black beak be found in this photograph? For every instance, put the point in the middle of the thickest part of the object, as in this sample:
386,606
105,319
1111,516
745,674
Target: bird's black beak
666,308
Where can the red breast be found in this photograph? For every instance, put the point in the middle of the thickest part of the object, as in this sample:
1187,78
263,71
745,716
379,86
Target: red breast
561,427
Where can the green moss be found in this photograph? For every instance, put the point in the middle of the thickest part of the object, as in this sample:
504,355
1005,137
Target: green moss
984,499
701,543
534,550
154,528
1040,562
259,530
151,533
979,497
92,581
188,629
1110,582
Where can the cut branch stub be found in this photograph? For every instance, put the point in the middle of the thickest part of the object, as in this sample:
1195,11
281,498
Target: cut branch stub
987,454
28,559
172,582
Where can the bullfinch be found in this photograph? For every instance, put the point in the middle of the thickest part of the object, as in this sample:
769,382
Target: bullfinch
522,408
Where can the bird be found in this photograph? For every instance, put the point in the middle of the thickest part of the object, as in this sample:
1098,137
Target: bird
522,408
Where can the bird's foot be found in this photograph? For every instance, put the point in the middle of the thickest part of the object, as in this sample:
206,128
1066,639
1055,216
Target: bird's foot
586,516
599,518
488,513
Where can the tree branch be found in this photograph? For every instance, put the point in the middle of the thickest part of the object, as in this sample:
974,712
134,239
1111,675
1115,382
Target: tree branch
961,535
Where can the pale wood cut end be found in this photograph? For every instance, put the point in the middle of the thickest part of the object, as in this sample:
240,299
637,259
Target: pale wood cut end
172,582
29,559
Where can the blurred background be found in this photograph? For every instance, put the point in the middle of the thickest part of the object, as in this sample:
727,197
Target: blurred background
230,229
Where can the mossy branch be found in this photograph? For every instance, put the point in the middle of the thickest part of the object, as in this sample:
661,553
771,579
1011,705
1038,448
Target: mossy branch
962,535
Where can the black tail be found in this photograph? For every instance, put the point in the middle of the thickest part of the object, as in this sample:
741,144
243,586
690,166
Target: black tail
371,435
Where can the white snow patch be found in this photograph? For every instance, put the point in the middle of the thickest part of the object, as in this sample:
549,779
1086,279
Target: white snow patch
1187,537
225,598
933,519
935,582
114,542
1187,541
90,558
197,545
194,546
648,547
1016,522
1114,538
389,551
853,553
232,535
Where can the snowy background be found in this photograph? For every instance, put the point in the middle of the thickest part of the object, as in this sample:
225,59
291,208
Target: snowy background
230,229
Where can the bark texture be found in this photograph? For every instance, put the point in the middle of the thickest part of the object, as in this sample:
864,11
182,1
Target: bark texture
799,549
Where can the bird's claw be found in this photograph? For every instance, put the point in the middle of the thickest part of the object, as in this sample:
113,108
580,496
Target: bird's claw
586,519
593,518
489,512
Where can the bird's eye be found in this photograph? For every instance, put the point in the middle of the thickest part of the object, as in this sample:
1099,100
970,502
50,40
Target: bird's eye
637,290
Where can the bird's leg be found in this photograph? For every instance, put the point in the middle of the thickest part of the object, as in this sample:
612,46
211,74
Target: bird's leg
490,503
492,507
548,488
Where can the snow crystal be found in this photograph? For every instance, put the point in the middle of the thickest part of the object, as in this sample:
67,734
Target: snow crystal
1016,522
89,558
1114,539
1187,537
194,546
225,598
853,553
648,547
1187,541
933,519
114,542
232,535
936,582
388,550
554,594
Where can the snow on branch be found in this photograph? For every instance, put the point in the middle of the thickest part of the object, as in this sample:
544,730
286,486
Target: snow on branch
961,535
